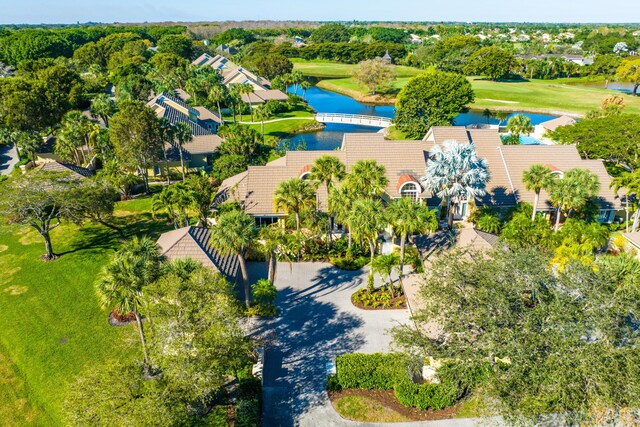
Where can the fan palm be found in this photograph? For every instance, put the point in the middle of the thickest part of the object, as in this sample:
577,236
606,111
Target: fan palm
573,191
367,221
182,135
537,178
408,217
455,173
367,179
120,285
233,234
295,196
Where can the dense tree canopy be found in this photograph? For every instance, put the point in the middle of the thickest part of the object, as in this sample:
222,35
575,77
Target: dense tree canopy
330,33
177,44
490,61
434,98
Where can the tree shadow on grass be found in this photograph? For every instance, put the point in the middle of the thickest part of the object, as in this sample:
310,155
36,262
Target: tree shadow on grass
305,336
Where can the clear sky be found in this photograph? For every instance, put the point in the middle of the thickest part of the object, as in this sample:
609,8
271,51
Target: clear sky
71,11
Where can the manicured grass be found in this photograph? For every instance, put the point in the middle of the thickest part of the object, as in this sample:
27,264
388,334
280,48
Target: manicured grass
298,112
360,408
51,326
283,129
327,69
396,134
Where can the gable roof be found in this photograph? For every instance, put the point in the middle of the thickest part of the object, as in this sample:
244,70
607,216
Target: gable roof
193,242
175,110
76,172
553,124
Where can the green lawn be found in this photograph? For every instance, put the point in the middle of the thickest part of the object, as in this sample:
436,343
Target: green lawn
51,325
561,96
361,408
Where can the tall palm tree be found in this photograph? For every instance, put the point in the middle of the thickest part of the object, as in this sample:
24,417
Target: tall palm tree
104,107
340,202
327,169
295,196
120,285
175,200
305,85
519,124
455,173
29,142
247,89
573,191
367,179
296,78
408,217
233,234
367,221
262,113
182,135
167,134
630,182
536,178
384,266
274,239
234,98
218,94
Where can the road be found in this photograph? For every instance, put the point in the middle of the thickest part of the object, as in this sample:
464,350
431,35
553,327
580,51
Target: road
8,158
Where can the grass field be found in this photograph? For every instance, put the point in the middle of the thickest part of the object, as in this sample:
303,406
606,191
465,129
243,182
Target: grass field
561,96
51,326
361,408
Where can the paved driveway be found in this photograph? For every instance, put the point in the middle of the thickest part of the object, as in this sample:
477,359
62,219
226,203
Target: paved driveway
8,158
316,322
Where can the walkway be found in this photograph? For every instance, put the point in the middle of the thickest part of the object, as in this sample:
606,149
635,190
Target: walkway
272,121
354,119
316,323
8,158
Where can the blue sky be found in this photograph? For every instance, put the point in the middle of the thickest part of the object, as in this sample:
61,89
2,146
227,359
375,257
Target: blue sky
70,11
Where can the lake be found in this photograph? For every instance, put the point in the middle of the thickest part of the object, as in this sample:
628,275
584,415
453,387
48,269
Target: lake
330,138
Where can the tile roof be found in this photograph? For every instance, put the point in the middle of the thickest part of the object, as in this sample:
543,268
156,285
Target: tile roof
193,242
206,114
176,110
633,238
265,95
77,172
557,122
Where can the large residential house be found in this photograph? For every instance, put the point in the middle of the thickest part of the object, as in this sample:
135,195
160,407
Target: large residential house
235,74
405,164
203,122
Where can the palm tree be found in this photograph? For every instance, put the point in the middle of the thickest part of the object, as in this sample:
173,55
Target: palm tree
327,169
486,113
182,135
233,234
455,173
274,239
217,94
367,221
29,142
104,107
234,98
518,125
295,196
305,85
120,285
384,266
175,200
367,179
340,202
501,116
296,78
630,182
573,191
408,217
262,113
167,134
247,89
536,178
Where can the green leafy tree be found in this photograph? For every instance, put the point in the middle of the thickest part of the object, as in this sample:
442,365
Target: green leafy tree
28,142
455,173
630,182
203,190
294,197
408,217
233,234
375,74
431,99
536,179
246,89
330,33
272,65
491,61
104,107
549,343
39,200
94,201
177,44
136,138
121,283
629,71
195,319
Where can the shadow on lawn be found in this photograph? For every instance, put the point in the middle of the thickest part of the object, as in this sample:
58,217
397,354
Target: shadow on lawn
306,335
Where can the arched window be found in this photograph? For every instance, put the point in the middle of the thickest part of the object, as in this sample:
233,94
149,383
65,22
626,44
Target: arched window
410,189
305,176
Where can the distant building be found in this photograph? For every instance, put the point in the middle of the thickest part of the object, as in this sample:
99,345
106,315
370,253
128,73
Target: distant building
415,39
542,129
576,59
387,58
227,49
76,172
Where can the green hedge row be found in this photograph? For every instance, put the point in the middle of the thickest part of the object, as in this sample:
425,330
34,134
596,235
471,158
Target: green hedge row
391,371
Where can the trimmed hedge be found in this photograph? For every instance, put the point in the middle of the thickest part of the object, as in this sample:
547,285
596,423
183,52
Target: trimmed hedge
391,371
370,371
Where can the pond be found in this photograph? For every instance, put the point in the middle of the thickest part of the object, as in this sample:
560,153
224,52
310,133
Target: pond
330,138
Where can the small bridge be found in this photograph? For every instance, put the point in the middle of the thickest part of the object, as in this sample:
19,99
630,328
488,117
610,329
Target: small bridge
354,119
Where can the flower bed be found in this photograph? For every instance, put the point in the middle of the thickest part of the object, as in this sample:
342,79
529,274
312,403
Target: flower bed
379,299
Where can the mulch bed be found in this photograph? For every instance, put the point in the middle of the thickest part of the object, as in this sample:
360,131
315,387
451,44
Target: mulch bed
117,319
394,301
387,398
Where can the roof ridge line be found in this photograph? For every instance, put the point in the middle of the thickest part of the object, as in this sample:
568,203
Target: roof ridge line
504,162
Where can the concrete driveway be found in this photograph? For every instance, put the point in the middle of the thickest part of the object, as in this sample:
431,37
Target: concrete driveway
8,158
316,322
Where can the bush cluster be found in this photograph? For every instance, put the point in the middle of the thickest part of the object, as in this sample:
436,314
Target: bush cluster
391,371
248,406
380,297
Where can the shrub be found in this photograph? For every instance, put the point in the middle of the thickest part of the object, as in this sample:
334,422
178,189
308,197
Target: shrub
249,388
370,371
333,384
425,396
248,413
